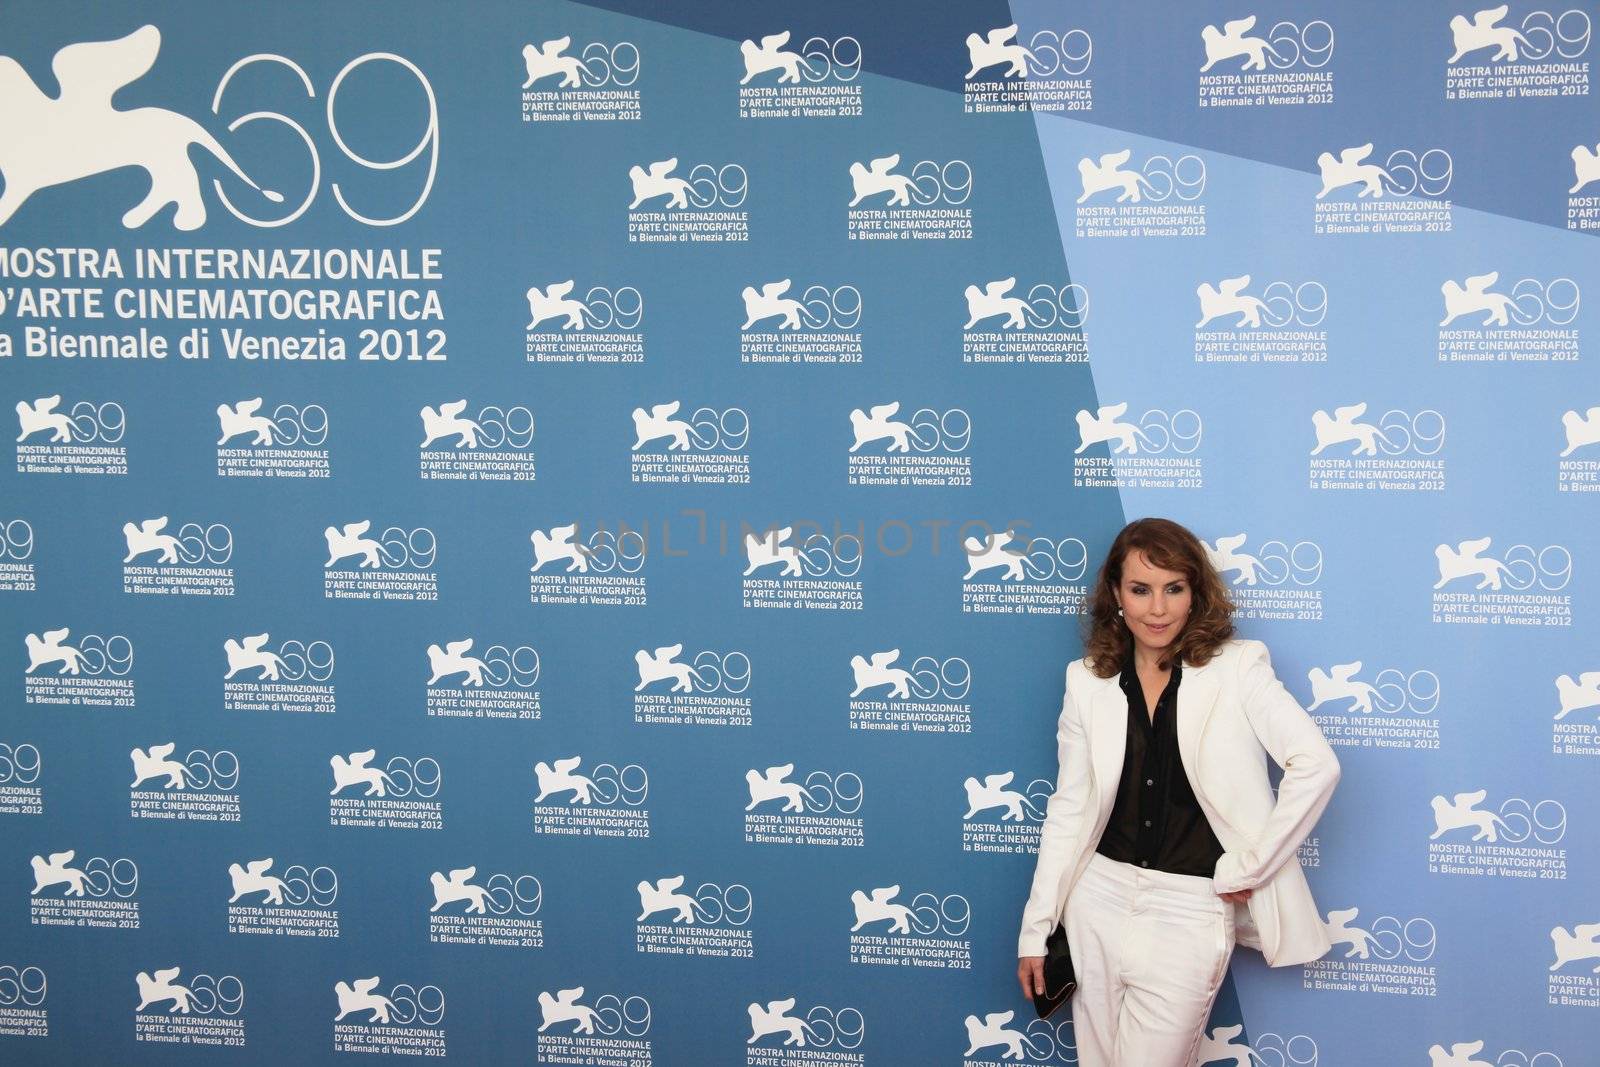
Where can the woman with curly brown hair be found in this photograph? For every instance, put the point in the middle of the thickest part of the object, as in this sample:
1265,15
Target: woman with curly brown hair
1163,845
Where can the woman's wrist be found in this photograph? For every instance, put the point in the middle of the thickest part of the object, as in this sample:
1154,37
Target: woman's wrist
1228,875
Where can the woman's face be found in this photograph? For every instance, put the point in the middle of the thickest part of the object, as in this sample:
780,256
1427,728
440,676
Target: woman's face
1155,602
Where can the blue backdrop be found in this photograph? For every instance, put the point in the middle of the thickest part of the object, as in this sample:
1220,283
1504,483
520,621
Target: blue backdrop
551,532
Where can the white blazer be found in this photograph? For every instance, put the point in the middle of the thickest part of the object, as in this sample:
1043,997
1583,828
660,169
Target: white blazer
1233,713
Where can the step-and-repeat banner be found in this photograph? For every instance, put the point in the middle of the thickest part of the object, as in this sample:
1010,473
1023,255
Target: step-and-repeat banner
551,532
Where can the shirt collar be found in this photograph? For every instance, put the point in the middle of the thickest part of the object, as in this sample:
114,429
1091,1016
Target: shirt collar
1130,674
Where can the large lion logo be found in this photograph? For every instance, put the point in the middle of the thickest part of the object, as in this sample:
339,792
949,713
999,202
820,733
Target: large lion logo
45,141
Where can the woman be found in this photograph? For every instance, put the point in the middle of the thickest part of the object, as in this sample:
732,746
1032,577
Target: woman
1163,844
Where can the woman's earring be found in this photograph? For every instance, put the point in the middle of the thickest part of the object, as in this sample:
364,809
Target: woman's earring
1119,613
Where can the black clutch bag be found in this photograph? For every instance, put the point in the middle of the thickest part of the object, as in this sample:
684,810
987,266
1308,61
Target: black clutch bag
1059,978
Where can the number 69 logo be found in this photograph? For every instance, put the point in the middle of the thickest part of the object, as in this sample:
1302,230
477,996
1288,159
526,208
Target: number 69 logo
1289,43
19,764
609,64
103,422
839,59
821,555
945,916
220,995
114,876
25,986
305,426
317,886
397,547
933,182
1515,1057
16,539
428,142
413,778
1544,821
1286,1050
822,307
615,1014
713,185
1409,172
217,770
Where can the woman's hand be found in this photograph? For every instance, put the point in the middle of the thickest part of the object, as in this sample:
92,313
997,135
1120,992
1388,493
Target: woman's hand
1236,898
1030,972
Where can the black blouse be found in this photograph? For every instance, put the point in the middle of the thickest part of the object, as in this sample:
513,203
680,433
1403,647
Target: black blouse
1156,822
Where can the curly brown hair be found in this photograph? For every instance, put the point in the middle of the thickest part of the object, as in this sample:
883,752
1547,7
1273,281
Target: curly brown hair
1170,546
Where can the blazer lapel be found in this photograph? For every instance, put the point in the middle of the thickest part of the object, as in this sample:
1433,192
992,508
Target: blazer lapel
1108,726
1108,734
1197,699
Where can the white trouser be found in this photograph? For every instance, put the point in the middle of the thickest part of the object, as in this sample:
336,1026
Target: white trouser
1150,950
